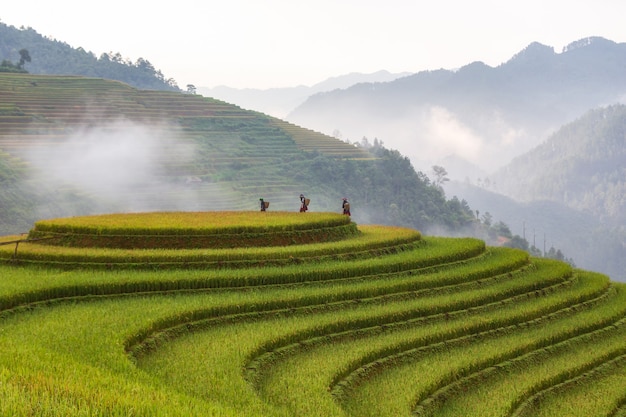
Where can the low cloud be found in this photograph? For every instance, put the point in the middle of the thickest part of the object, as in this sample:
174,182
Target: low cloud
444,134
432,134
119,163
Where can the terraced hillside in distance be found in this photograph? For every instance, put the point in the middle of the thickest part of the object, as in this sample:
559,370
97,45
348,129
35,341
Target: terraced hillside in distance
188,152
297,314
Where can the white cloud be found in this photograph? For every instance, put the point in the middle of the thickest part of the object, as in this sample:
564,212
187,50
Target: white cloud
444,134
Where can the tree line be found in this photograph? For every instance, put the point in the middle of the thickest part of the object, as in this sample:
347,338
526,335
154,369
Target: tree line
50,56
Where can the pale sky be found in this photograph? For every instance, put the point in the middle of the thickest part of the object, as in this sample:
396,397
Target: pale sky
284,43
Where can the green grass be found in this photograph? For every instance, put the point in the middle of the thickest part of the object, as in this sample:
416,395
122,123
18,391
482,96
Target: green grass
599,391
298,375
382,322
370,241
518,379
425,379
189,223
180,230
121,319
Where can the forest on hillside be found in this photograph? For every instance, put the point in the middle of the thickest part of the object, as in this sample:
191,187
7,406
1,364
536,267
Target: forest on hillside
50,56
570,190
582,165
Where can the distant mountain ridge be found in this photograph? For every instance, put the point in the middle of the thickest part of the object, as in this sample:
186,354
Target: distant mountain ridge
484,115
278,102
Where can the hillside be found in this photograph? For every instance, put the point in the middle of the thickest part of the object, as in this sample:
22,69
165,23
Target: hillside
580,172
585,238
352,320
482,115
50,56
582,165
76,145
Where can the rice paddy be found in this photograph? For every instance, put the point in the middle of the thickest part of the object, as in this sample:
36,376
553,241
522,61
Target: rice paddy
369,321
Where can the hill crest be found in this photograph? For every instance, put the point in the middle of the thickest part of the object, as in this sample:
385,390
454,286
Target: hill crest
50,56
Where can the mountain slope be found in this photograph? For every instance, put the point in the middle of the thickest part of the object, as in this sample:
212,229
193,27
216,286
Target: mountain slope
572,187
91,145
482,114
545,224
583,165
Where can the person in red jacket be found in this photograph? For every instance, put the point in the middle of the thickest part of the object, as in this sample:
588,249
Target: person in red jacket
303,204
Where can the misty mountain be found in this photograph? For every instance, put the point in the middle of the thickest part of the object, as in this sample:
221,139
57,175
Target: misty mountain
579,235
278,102
49,56
582,166
478,115
572,188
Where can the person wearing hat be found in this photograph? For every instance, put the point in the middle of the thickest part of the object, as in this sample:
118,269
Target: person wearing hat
262,204
346,207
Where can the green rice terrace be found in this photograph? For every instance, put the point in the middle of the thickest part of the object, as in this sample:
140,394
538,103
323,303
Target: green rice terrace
200,146
290,314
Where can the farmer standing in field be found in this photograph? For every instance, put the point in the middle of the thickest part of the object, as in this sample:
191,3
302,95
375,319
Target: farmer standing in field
262,204
346,207
303,204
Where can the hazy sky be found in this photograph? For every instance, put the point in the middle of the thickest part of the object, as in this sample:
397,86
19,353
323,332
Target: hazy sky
278,43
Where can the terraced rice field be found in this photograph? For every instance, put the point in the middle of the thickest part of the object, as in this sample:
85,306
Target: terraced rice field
376,321
200,146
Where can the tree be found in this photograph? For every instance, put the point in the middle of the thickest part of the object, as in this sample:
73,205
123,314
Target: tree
441,175
487,219
24,57
517,242
502,229
191,89
555,254
535,251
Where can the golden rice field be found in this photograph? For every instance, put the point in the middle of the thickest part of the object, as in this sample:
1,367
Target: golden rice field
189,222
354,320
